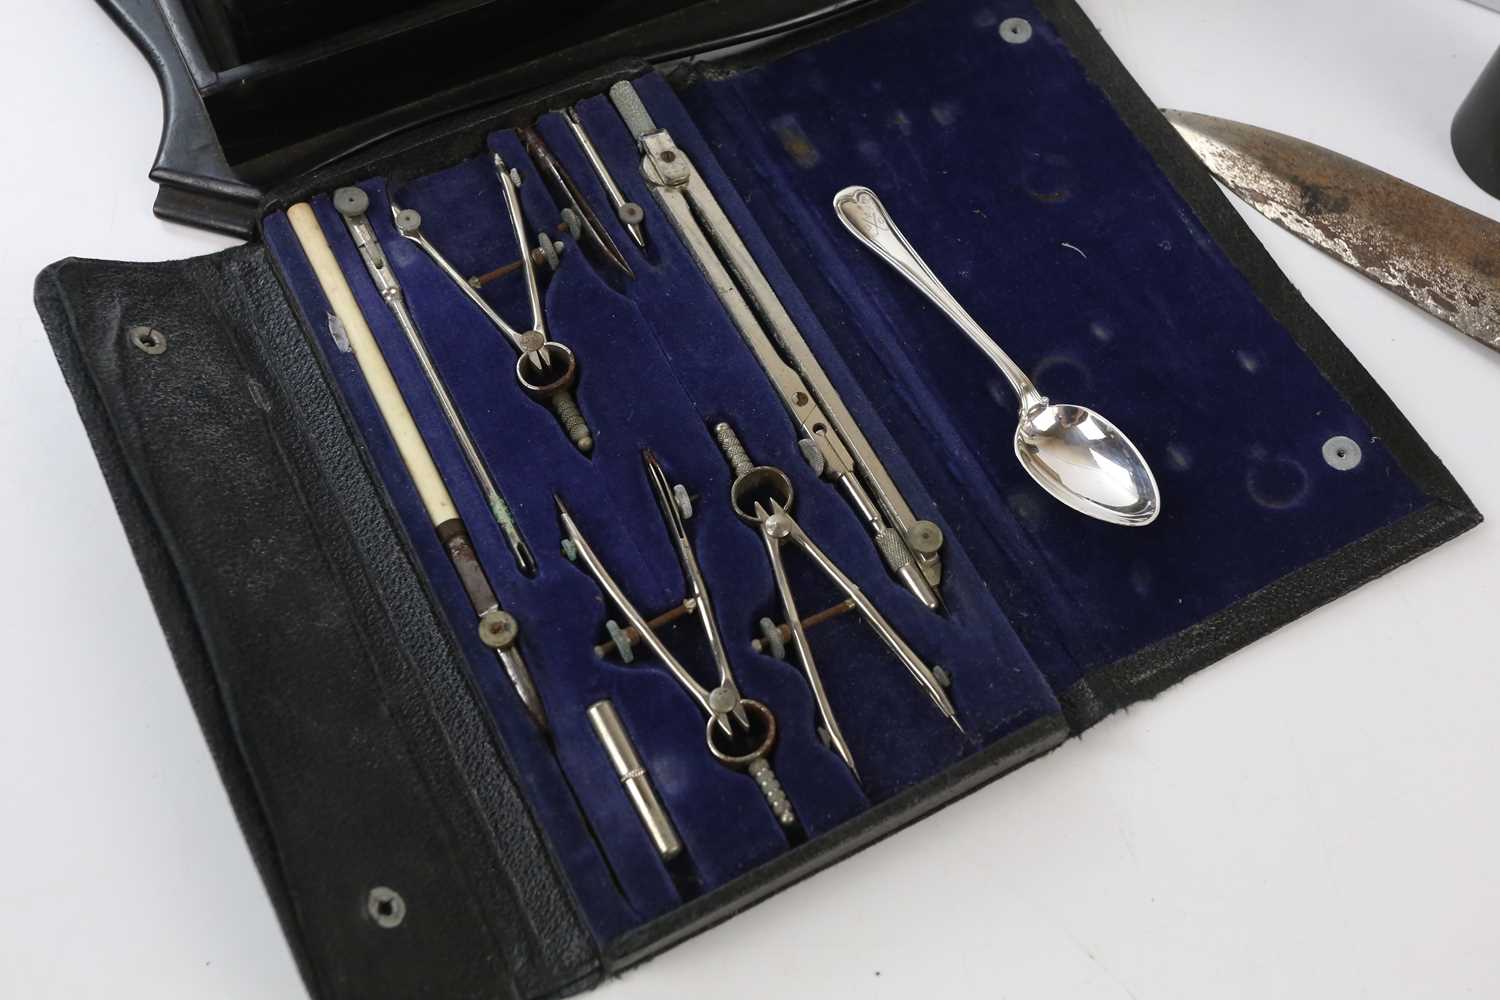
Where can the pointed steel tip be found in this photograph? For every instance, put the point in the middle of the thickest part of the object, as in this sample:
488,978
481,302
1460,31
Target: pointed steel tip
838,746
562,508
916,583
525,561
538,717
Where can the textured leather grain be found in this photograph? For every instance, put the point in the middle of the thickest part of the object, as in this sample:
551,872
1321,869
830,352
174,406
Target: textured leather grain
337,709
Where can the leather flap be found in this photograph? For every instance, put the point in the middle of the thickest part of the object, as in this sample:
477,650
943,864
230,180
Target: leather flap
337,708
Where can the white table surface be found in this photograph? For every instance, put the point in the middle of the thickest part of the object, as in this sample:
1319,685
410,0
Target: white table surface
1315,816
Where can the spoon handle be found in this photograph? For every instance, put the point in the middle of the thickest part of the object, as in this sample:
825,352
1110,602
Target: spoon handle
863,215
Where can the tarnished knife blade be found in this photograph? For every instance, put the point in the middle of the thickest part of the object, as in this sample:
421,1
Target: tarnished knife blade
1438,255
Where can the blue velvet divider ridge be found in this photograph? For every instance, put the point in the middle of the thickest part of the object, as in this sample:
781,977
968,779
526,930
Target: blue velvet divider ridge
1015,178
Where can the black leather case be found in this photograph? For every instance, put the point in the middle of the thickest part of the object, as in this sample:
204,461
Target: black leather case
333,695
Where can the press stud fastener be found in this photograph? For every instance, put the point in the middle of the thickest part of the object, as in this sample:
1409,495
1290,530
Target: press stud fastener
1016,30
1342,453
386,907
149,340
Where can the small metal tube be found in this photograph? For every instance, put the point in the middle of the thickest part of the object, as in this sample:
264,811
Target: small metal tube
632,774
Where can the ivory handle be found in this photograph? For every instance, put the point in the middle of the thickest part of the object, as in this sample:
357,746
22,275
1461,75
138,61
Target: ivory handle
398,419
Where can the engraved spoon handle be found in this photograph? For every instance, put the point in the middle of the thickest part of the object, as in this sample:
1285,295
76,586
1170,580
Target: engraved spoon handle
863,215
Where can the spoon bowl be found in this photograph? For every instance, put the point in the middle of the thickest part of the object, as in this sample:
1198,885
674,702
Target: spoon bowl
1086,462
1072,452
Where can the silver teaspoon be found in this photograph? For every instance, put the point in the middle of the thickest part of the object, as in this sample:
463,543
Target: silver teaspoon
1072,452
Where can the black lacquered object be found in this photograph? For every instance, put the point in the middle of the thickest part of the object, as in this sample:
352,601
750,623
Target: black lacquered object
1476,130
236,74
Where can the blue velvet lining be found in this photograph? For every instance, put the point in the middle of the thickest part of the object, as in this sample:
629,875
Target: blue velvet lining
1015,178
1017,181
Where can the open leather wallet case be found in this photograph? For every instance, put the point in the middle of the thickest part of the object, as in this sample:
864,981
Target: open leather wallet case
570,532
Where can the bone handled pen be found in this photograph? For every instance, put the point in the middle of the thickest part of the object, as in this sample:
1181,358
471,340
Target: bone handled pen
497,628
